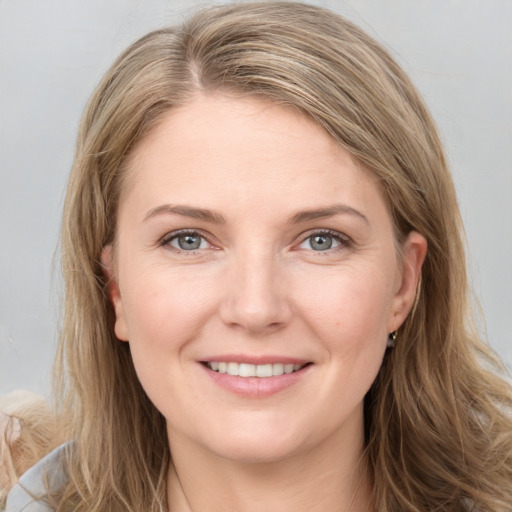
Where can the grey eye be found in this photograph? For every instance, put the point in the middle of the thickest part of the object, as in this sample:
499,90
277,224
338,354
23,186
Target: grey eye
323,241
320,242
188,242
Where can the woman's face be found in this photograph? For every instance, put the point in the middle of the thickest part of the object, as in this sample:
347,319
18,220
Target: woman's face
249,242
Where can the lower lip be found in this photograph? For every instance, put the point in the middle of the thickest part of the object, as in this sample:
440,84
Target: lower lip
256,387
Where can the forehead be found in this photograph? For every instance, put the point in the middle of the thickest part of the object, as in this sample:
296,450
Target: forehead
217,146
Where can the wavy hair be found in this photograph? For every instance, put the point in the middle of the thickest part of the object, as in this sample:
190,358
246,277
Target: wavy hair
437,418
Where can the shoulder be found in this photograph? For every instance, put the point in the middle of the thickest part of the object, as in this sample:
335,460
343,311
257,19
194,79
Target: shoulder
28,495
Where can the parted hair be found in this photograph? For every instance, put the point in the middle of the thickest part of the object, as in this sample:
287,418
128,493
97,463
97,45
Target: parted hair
437,418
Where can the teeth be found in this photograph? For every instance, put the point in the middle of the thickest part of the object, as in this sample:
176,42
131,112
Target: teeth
246,370
264,370
277,369
233,369
253,370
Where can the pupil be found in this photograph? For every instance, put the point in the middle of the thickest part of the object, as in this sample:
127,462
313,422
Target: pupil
189,242
321,242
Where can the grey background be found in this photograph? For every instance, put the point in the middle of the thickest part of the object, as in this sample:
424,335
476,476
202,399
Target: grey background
53,52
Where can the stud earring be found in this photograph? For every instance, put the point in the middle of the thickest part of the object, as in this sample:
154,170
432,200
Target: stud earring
391,339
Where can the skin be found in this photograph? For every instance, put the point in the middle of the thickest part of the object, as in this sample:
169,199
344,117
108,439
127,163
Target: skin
257,287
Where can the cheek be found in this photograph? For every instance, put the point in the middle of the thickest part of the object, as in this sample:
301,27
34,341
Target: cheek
162,313
349,316
162,319
163,301
353,305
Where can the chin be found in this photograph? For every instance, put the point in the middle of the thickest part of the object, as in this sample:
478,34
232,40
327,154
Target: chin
258,450
260,442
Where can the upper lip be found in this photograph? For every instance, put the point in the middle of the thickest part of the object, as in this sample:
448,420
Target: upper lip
254,359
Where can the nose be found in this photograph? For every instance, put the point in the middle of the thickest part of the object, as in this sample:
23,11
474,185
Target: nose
255,298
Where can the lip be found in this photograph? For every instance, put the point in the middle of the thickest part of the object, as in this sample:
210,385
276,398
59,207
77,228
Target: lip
254,359
256,387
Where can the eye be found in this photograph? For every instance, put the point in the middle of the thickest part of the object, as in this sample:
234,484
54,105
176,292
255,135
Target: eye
324,241
186,241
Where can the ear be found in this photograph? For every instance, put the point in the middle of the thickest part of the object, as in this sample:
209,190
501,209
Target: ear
414,251
114,293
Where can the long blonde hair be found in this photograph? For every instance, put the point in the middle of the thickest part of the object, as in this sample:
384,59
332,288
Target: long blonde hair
438,427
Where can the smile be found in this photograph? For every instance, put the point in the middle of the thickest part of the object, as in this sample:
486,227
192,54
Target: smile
253,370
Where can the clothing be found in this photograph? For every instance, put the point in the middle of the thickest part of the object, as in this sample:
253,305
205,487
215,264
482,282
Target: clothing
29,493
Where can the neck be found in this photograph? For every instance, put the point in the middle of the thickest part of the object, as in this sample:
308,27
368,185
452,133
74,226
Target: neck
320,479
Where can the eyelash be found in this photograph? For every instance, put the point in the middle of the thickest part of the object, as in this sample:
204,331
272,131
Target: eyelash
343,240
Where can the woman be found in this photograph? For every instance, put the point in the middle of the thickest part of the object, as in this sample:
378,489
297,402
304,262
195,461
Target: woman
265,285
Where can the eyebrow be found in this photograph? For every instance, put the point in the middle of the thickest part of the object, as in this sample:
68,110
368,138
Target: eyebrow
186,211
216,218
329,211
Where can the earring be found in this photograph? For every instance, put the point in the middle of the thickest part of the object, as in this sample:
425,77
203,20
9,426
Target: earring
391,339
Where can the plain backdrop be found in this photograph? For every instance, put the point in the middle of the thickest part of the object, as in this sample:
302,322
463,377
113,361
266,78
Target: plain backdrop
53,52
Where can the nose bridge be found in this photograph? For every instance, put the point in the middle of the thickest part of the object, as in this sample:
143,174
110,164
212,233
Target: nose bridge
255,297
